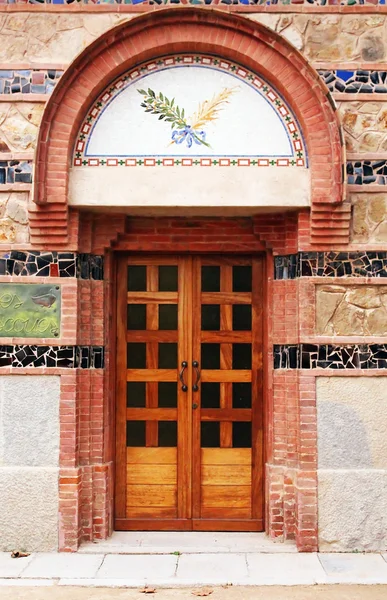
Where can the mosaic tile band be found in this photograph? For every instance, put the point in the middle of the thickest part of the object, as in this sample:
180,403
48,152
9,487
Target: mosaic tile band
64,357
15,171
328,356
231,3
331,264
28,81
51,264
366,172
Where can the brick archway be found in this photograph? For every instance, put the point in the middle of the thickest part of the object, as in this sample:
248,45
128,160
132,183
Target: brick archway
171,31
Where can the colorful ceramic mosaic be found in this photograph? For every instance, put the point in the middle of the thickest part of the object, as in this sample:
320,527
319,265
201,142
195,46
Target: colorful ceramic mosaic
161,130
353,82
331,264
328,356
30,81
51,264
68,357
15,171
203,2
365,172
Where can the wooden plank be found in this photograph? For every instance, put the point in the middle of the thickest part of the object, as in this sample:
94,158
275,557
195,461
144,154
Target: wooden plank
153,524
151,495
151,474
151,414
224,297
215,260
196,396
232,375
225,456
152,336
226,513
225,356
152,324
226,496
141,512
226,475
143,259
151,375
152,297
231,337
225,414
154,456
227,525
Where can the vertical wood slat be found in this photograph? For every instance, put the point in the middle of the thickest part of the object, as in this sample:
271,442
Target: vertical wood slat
226,355
152,324
196,396
120,489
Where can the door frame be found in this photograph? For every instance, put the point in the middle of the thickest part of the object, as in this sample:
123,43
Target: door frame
117,256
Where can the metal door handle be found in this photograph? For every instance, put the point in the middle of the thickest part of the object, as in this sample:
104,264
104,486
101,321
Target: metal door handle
184,365
195,386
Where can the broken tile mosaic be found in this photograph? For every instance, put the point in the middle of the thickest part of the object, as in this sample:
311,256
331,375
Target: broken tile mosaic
328,356
67,357
15,171
365,172
202,2
29,81
54,264
355,82
331,264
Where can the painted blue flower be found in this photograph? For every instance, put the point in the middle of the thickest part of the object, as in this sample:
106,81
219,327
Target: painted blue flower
188,135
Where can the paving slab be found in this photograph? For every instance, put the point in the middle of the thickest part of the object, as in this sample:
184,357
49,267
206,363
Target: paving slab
138,568
214,569
13,567
27,582
283,569
354,568
57,565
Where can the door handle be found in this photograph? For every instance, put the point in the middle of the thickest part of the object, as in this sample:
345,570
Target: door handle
195,386
184,365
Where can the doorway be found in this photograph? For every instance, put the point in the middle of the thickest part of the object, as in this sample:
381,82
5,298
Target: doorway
189,430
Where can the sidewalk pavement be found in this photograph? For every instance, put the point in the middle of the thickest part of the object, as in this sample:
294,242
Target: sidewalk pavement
183,560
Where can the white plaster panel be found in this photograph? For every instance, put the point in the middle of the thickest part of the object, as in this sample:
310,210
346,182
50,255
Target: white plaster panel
29,420
352,423
190,187
352,510
29,509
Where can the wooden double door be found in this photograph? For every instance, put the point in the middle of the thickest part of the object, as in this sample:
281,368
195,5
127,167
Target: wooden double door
189,435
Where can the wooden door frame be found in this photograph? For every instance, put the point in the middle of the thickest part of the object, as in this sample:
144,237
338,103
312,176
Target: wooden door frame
117,256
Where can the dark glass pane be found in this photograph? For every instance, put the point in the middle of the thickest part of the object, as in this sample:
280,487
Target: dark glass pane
168,316
135,394
168,433
137,279
210,395
210,434
241,317
168,279
167,394
210,317
211,279
167,356
135,433
210,356
136,316
241,279
136,355
241,356
241,395
241,435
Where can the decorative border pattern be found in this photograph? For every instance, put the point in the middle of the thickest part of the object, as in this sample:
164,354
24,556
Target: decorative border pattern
364,172
329,356
288,120
15,171
355,82
231,3
28,81
51,264
63,357
331,264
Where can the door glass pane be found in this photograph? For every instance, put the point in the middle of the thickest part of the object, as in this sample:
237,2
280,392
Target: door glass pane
241,356
167,356
210,356
136,279
167,394
241,278
136,356
135,394
135,433
210,434
211,279
241,317
241,435
210,317
167,433
136,316
168,316
210,395
168,278
241,395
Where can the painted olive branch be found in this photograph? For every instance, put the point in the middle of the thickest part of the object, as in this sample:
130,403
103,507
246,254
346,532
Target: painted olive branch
158,104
